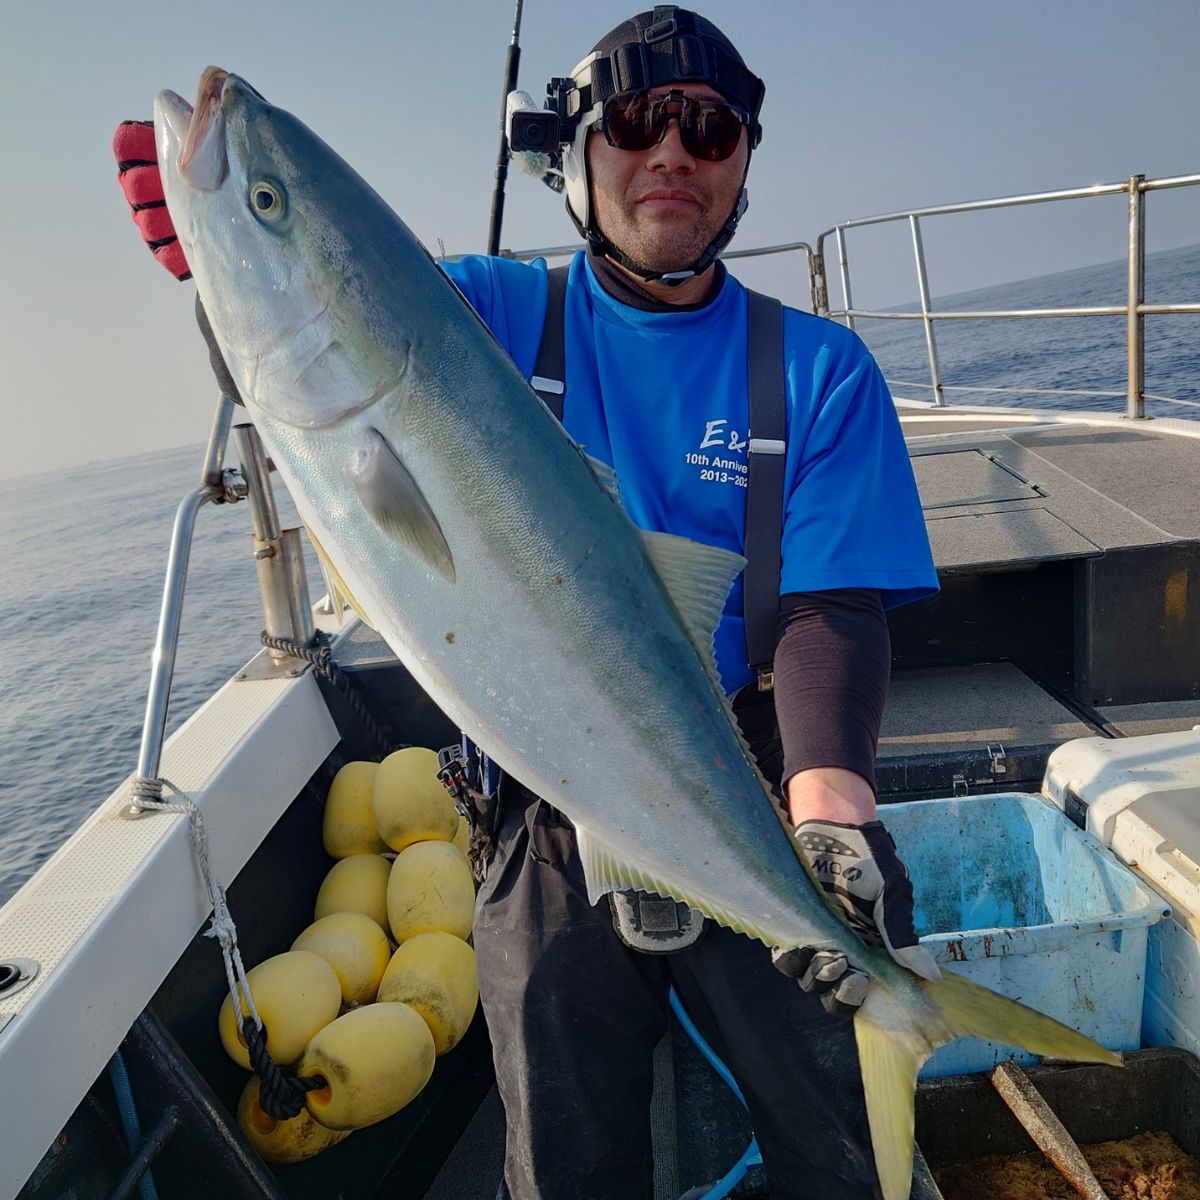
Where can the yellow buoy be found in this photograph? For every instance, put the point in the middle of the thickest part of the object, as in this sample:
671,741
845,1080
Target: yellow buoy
355,947
462,838
411,805
296,994
356,884
430,887
435,974
374,1060
282,1141
349,825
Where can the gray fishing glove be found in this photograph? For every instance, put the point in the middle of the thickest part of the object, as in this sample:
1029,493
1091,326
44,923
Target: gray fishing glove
858,867
826,972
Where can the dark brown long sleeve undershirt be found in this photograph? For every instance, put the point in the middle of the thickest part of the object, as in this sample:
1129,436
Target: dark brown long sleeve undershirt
832,665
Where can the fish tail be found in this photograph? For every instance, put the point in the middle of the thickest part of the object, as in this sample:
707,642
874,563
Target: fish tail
894,1042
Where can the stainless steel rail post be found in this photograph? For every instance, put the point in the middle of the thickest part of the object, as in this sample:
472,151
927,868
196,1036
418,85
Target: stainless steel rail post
277,553
844,268
817,281
217,485
935,372
214,454
1135,321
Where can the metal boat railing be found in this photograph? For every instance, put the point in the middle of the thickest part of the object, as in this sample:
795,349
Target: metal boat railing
277,553
1134,310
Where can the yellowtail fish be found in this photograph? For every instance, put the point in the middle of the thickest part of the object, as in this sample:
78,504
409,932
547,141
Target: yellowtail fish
497,561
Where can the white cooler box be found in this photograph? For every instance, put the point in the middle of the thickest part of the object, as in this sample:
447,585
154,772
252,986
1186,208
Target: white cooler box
1141,797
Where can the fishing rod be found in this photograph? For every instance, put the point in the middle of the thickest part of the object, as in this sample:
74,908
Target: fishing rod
511,62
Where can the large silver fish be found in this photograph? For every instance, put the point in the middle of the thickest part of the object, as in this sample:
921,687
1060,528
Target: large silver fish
499,565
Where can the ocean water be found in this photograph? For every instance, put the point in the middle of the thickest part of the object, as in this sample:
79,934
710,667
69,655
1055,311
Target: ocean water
1074,353
83,554
83,551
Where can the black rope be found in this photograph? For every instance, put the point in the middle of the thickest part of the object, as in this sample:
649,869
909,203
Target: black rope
280,1095
319,653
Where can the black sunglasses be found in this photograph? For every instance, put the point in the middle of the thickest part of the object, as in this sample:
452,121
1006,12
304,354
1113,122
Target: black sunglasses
709,129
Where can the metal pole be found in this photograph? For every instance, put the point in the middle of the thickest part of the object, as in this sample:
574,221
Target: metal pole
300,615
935,373
817,284
844,267
214,455
511,62
218,486
286,610
1135,344
162,659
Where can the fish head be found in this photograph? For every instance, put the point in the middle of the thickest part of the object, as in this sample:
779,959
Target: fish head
270,220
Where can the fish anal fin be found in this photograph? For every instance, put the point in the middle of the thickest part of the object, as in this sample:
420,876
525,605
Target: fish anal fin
606,870
395,502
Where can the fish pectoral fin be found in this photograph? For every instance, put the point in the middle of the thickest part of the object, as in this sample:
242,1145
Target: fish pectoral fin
894,1040
698,579
395,502
607,870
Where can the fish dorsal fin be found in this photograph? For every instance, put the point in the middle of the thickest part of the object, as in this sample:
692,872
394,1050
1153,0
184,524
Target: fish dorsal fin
396,504
340,595
605,870
698,579
605,476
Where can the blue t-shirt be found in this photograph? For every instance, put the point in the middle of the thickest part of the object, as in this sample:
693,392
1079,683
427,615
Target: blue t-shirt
662,398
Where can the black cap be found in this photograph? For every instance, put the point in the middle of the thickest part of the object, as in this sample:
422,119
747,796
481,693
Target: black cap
674,45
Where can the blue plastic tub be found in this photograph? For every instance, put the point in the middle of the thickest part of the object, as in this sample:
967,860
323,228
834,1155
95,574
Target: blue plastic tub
1014,896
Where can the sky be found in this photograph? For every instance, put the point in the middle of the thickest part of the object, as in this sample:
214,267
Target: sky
871,107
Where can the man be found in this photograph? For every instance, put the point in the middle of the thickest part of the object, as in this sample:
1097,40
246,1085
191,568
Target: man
660,122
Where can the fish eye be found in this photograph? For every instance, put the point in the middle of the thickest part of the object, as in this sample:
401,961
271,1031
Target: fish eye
267,200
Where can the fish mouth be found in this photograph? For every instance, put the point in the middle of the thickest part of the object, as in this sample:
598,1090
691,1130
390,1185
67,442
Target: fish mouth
198,131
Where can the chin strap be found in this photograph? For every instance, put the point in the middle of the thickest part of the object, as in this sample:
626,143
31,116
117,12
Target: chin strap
671,278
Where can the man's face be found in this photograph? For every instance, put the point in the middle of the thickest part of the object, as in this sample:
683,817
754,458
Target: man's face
661,206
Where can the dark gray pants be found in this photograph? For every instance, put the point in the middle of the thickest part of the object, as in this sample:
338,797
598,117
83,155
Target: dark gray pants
574,1016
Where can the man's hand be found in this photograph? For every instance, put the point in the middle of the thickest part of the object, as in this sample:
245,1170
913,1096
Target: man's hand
858,867
826,972
138,175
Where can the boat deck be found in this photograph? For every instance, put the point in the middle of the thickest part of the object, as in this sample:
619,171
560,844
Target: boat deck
1067,547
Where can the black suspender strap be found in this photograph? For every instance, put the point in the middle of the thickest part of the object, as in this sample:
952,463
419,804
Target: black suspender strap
549,378
767,458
